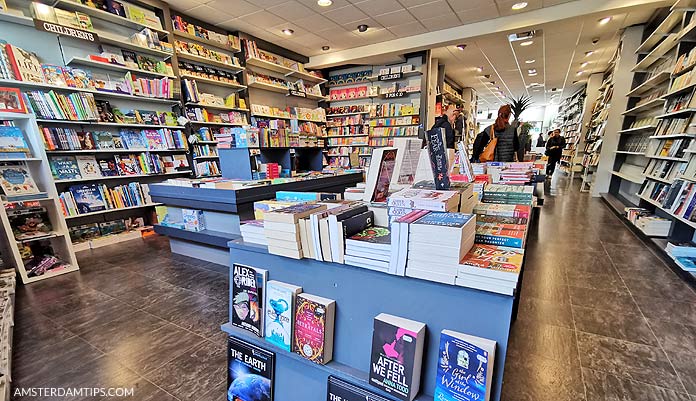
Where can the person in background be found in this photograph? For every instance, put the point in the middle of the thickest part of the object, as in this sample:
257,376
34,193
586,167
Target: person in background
541,143
554,150
446,121
458,124
508,142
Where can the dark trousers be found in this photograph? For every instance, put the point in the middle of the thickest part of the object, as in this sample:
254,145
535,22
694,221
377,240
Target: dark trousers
551,166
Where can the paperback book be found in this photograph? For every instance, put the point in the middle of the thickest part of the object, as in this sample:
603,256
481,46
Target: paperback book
279,309
17,180
65,168
465,367
248,285
88,198
314,327
89,168
250,372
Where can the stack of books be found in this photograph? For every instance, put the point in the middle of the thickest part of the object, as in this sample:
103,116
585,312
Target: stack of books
509,194
516,173
502,225
437,242
282,230
491,268
324,231
407,200
370,249
684,255
252,232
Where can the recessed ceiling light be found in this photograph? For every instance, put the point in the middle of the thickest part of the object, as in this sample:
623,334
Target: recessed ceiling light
532,61
479,69
585,64
362,28
325,48
604,20
588,54
533,74
324,3
461,47
519,6
288,31
527,43
532,70
580,72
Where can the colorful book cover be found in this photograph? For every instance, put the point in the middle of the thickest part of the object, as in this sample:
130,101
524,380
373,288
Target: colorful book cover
133,139
65,168
103,140
17,180
25,64
495,258
464,370
438,158
12,140
89,168
54,75
373,235
88,198
280,299
154,140
311,329
127,165
445,219
248,284
250,372
86,140
108,167
386,170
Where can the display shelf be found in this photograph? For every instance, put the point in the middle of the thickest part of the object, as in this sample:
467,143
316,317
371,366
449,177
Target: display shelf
207,237
652,104
114,67
306,77
677,159
209,157
341,146
658,52
684,70
285,118
207,61
345,136
107,151
96,93
679,91
19,159
42,237
316,97
637,129
108,240
16,19
125,43
238,87
257,62
207,42
412,73
217,124
676,113
625,152
216,107
660,179
655,81
104,15
268,87
112,211
658,205
687,178
121,177
661,31
347,114
402,115
682,135
96,123
51,273
366,81
204,142
628,177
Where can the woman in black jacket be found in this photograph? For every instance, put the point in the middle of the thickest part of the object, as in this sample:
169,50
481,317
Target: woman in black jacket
508,142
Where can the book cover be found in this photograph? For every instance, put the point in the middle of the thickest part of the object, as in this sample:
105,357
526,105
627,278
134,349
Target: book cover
54,75
497,258
108,167
127,165
250,371
25,64
248,285
373,235
29,222
86,140
438,158
133,139
397,350
154,140
88,198
445,219
17,180
103,140
339,390
12,140
314,321
89,168
465,367
383,162
65,168
279,309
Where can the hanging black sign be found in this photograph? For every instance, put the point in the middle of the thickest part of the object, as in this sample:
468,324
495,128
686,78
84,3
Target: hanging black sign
80,34
395,95
294,92
391,77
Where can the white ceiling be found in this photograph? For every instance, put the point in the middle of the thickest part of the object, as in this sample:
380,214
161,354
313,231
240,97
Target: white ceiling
558,52
336,25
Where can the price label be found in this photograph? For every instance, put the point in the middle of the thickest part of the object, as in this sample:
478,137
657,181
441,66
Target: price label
391,77
395,95
293,92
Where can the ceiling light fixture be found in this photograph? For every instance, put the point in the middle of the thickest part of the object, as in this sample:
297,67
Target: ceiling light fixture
532,61
580,72
325,48
604,20
588,54
585,64
479,69
324,3
527,43
519,6
288,31
532,70
461,47
362,28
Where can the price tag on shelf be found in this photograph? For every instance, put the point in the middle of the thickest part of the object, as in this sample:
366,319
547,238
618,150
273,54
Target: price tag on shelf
391,77
395,95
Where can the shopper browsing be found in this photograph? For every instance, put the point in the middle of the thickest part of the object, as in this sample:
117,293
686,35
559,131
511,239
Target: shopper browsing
498,140
458,124
541,142
554,150
446,121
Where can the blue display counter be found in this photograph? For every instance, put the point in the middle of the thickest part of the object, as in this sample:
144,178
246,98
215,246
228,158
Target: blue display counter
361,295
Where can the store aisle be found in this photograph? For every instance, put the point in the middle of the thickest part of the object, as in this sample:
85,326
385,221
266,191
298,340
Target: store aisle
600,319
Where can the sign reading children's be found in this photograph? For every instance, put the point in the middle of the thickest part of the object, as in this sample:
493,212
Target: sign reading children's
80,34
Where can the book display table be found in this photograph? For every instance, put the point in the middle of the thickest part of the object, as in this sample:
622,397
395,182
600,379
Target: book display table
223,209
360,295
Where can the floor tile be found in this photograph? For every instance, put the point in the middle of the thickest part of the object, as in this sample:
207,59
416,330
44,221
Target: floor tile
205,322
668,310
607,387
540,379
603,300
628,360
675,337
117,334
619,325
674,289
631,255
178,302
686,369
547,312
611,282
94,316
544,341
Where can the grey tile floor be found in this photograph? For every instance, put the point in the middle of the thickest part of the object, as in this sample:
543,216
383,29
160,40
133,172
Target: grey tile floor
601,318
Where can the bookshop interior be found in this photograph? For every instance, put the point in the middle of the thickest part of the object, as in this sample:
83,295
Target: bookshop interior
343,200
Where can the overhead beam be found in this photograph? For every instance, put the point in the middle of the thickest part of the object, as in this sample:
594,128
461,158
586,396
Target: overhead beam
453,36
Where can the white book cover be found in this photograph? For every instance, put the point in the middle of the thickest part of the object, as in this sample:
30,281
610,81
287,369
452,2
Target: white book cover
279,309
89,168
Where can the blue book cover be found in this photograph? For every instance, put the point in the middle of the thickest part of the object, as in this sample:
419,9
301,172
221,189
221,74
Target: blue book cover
133,139
250,371
687,263
12,140
445,219
88,198
464,369
280,298
65,168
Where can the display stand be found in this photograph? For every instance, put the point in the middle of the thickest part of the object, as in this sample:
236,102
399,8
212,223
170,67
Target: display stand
361,295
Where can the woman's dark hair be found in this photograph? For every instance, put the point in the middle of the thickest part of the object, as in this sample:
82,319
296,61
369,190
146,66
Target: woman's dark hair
503,117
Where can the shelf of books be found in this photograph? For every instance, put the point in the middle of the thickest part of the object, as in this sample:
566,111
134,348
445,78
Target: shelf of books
370,107
569,121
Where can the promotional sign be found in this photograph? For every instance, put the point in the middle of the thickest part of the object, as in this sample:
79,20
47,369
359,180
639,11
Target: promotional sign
80,34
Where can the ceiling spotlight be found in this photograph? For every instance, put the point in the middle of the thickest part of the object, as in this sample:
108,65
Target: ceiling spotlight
479,69
461,47
580,72
604,20
585,64
527,43
325,48
324,3
519,6
532,71
532,61
288,31
588,54
362,28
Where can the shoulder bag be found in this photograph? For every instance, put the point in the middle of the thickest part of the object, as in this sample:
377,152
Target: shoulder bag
488,154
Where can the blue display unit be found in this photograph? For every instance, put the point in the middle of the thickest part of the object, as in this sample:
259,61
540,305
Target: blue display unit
361,295
236,163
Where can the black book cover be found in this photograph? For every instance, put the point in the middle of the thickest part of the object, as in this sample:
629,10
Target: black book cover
358,223
438,158
392,359
250,372
248,284
351,212
374,235
339,390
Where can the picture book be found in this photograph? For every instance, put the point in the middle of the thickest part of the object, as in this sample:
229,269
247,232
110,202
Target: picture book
380,174
86,140
106,114
397,353
17,180
26,65
279,309
154,139
54,75
340,390
89,168
116,7
12,140
314,327
133,139
127,165
465,367
88,198
149,117
493,261
130,58
250,371
108,167
248,286
103,140
29,222
64,168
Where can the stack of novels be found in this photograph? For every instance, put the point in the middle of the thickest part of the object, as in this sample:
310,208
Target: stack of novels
370,249
253,233
502,225
407,200
437,242
509,194
282,229
516,173
491,268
